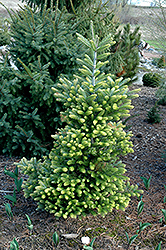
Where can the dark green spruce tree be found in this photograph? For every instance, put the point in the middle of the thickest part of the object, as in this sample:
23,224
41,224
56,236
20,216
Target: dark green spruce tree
70,5
42,48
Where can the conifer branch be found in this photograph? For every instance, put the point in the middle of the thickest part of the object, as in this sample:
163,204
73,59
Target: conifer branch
94,68
72,7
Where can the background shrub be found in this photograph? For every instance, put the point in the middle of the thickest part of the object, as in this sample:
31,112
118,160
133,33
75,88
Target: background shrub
44,46
27,107
161,93
124,57
153,115
48,35
159,62
152,79
70,5
162,101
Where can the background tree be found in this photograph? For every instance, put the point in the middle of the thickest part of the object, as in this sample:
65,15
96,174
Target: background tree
124,58
44,46
70,5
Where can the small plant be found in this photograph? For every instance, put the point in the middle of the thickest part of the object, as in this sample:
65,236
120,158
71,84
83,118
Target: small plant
29,226
146,181
18,183
55,239
130,240
161,62
153,115
90,247
164,196
14,175
164,213
152,79
142,226
161,93
14,245
12,198
140,206
8,210
159,246
162,101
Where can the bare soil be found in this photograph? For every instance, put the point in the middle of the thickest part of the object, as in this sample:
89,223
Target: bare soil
149,143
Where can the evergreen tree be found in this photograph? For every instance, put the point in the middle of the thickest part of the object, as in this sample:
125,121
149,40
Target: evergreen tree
83,173
45,42
101,16
49,36
124,58
71,5
46,48
27,109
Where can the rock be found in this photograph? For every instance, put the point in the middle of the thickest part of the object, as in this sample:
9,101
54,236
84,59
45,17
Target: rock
139,135
70,236
142,60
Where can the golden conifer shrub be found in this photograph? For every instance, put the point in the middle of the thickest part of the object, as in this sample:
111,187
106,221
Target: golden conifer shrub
83,174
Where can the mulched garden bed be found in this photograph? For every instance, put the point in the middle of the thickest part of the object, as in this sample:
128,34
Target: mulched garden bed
149,143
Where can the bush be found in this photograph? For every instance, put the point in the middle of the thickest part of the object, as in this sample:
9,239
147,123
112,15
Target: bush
152,79
124,58
48,35
28,106
70,5
161,93
159,62
43,47
27,109
162,101
153,115
83,173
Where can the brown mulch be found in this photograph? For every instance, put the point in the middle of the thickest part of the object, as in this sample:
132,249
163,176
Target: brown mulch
149,143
